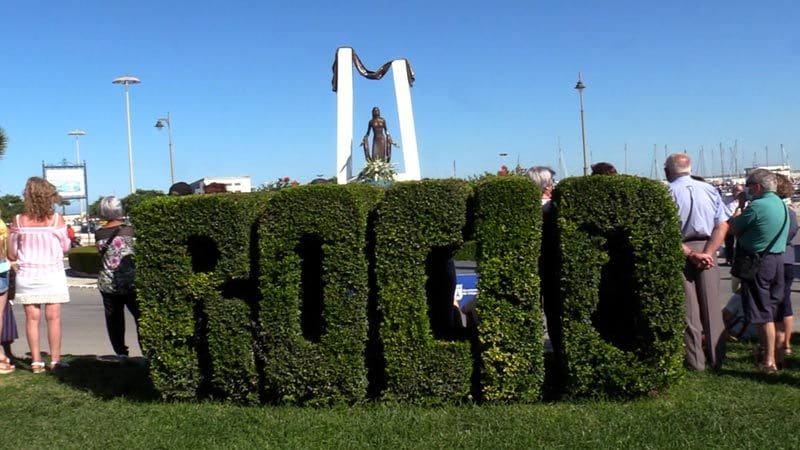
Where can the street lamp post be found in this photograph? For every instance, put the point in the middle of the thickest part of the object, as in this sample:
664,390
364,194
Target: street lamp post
127,80
160,124
580,87
78,133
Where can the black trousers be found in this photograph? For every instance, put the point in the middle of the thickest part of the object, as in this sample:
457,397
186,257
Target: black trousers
114,306
730,242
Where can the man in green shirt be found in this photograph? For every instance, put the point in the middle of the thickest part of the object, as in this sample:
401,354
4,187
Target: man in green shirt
762,227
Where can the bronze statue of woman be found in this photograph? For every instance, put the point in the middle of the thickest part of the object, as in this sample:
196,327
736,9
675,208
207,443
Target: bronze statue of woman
381,140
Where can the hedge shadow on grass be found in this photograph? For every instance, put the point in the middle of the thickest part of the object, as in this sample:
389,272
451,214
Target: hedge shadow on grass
109,380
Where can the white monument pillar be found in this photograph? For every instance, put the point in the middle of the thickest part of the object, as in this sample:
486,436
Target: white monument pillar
408,133
344,115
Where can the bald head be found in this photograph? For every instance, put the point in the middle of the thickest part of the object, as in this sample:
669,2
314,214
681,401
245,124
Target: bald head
677,164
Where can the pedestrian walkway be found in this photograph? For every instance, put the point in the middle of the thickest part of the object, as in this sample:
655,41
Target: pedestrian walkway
82,322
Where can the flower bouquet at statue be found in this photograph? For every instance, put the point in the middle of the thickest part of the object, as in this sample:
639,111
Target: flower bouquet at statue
377,172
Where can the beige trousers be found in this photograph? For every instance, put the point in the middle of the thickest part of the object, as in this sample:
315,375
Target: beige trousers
703,315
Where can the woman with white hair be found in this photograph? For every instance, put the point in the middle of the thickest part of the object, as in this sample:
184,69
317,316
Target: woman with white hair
543,177
114,242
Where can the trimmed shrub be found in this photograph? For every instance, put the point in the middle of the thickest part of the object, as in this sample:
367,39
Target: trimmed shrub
467,252
197,287
416,223
614,299
314,284
510,331
85,259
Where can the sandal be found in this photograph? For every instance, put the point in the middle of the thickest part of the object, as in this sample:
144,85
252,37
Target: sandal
6,367
788,351
37,367
771,368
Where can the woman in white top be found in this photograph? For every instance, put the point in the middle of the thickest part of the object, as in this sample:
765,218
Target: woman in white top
38,241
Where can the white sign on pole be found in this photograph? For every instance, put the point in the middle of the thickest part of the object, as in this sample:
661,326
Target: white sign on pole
70,182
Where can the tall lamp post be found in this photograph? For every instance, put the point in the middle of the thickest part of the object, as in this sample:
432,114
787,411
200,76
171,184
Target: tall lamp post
579,86
77,133
128,80
160,124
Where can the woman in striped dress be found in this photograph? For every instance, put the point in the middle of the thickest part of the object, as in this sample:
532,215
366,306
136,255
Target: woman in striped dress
37,242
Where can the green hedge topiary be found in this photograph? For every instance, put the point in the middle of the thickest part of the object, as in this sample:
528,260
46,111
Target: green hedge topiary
85,259
314,283
323,294
613,266
467,252
510,329
414,220
197,288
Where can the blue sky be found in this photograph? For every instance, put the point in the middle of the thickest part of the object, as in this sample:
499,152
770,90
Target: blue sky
247,84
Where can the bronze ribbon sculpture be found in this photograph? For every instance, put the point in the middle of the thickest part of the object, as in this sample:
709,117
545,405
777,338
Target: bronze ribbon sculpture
366,73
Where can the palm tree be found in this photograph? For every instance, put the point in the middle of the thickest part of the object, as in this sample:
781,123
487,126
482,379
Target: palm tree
3,142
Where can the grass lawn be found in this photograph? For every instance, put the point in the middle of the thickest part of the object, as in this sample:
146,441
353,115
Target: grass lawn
97,404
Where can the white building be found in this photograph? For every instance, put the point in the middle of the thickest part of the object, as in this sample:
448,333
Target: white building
783,170
232,184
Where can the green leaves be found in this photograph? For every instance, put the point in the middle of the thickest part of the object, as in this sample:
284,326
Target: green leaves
617,290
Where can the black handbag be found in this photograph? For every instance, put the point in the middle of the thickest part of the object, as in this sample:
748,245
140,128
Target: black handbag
746,263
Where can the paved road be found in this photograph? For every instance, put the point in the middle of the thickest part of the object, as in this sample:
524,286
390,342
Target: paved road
84,327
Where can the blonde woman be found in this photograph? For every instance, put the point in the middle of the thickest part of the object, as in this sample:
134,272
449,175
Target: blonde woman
37,242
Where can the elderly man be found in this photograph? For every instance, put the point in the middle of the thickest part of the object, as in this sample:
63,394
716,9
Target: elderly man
703,221
763,228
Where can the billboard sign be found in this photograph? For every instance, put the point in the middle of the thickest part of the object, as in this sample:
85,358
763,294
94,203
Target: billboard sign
70,181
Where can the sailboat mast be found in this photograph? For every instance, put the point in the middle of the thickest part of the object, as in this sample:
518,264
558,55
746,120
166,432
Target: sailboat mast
654,165
626,158
561,166
784,157
701,166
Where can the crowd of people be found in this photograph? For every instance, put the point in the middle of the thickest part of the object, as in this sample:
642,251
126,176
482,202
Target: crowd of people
32,249
758,224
